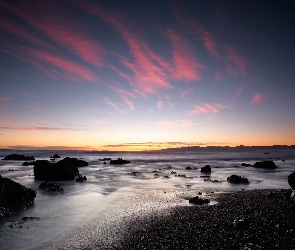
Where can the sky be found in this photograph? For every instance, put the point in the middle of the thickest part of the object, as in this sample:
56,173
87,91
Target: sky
146,74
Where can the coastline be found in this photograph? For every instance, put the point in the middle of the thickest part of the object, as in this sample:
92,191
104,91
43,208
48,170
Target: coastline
248,219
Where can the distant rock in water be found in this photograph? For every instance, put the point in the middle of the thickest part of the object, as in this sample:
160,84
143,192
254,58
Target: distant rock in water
49,186
81,178
14,196
265,164
55,156
237,179
17,157
28,163
206,169
66,169
291,180
119,161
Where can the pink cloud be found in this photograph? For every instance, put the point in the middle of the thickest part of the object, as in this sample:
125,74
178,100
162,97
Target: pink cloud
57,28
160,105
257,98
69,69
173,123
186,92
125,95
239,91
100,121
118,108
207,108
186,66
148,74
237,60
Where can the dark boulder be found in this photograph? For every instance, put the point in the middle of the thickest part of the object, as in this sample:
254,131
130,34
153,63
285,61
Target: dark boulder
17,157
81,178
291,180
66,169
14,196
49,186
206,169
119,161
237,179
245,164
188,168
265,164
198,201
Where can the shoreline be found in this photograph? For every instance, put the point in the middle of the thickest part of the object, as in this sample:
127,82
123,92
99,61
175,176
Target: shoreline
248,219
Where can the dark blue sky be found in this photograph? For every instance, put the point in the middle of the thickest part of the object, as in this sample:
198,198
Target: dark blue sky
146,74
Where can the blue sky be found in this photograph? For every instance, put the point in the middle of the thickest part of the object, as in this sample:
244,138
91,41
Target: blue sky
132,75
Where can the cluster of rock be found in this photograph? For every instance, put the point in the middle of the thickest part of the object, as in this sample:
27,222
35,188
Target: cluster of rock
119,161
199,201
66,169
206,169
14,196
17,157
55,156
265,164
49,186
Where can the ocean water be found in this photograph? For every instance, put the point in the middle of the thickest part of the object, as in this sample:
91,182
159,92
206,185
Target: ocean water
82,213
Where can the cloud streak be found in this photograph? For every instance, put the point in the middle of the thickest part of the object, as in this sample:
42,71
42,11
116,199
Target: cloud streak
257,98
207,109
173,123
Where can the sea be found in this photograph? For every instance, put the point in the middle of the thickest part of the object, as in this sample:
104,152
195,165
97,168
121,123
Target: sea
87,215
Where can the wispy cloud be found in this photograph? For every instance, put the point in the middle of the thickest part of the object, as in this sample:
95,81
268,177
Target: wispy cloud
100,121
207,108
118,107
237,60
40,127
173,123
4,98
185,92
239,91
218,76
125,95
187,68
257,98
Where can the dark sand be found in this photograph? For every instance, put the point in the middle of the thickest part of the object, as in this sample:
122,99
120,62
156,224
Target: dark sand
267,221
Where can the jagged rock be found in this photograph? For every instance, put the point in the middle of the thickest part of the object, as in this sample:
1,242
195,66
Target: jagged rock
188,168
237,179
49,186
17,157
119,161
245,164
206,168
14,196
199,201
66,169
265,164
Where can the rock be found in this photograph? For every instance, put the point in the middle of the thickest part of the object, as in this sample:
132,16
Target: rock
28,163
245,165
119,161
17,157
66,169
265,164
188,168
55,156
237,179
14,196
81,178
198,201
49,186
206,168
106,159
291,180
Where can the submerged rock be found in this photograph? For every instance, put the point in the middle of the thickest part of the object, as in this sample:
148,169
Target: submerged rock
55,156
237,179
28,163
14,196
265,164
17,157
81,178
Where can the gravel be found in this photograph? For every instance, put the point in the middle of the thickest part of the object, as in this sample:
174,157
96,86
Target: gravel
253,219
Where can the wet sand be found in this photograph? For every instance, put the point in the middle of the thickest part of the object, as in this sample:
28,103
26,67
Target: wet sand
253,219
